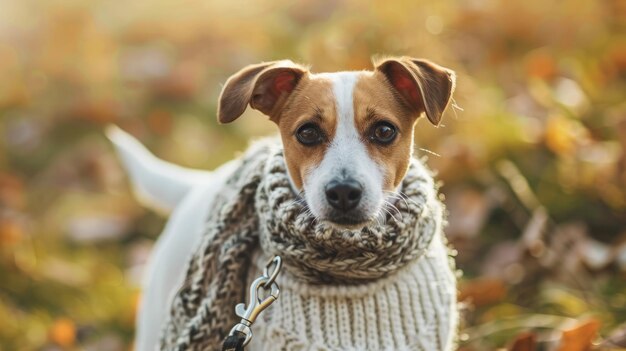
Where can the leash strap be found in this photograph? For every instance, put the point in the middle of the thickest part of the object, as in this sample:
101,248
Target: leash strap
241,334
234,342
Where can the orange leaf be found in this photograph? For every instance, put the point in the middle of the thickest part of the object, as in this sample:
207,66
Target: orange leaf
524,342
482,291
11,232
559,137
579,337
541,64
63,332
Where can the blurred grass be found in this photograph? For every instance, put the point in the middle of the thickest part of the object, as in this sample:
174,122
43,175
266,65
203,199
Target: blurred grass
537,135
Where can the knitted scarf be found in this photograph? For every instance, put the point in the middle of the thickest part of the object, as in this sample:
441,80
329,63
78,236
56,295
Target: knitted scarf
258,206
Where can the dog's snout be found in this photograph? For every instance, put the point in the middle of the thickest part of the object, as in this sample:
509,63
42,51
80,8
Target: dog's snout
344,195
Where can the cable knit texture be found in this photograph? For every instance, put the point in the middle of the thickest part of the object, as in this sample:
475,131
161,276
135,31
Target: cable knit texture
257,205
413,309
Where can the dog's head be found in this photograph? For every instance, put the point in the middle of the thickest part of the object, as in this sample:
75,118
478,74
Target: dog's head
347,136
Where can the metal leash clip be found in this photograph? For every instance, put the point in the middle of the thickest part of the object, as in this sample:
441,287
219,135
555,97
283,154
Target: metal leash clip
257,303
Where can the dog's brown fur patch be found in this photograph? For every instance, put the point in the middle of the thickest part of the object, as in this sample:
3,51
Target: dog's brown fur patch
374,101
312,101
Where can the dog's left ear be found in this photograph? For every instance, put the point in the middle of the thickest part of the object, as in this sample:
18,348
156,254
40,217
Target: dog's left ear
424,86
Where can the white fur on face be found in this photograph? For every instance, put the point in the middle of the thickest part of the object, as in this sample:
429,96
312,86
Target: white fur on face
345,157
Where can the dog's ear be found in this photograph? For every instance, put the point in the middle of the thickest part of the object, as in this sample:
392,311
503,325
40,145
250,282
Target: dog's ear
264,86
424,86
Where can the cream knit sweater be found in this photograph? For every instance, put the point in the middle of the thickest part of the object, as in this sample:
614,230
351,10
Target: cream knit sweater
413,309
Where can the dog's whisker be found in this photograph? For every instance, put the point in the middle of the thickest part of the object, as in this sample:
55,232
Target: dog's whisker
392,207
407,198
455,107
386,208
398,196
394,216
393,196
378,220
388,213
430,152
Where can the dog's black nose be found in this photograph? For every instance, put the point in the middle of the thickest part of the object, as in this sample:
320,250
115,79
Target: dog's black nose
344,195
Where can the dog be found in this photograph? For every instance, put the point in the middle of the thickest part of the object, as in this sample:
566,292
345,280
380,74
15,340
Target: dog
347,140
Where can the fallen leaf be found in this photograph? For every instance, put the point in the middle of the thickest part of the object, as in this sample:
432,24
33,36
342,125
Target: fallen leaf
541,64
483,291
558,139
63,332
524,342
11,232
579,337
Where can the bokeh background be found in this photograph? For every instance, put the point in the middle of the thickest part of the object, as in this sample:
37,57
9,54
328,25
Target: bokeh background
532,154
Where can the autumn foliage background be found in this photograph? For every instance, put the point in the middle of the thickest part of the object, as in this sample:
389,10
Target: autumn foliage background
532,153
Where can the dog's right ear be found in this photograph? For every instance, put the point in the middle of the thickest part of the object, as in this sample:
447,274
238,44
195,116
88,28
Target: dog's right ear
265,86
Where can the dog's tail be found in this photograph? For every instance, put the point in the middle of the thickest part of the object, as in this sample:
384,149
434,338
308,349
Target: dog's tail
157,184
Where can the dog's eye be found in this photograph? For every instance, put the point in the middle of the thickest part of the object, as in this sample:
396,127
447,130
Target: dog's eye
383,133
309,135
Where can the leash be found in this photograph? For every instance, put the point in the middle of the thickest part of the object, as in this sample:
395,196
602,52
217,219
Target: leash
241,334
